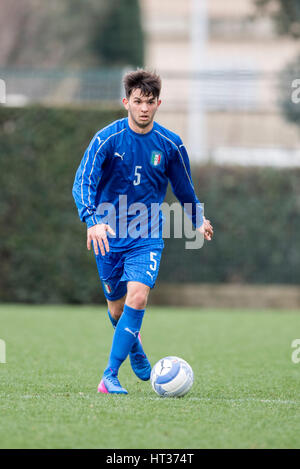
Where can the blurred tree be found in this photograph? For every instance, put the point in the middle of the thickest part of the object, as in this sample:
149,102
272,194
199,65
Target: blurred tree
286,16
285,13
289,84
120,39
60,33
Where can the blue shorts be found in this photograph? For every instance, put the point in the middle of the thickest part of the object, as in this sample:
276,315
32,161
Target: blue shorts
140,264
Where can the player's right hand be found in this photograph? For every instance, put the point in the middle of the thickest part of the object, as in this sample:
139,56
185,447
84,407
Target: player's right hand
206,229
97,235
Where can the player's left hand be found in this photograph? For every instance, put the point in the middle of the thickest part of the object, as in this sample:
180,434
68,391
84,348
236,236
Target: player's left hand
206,229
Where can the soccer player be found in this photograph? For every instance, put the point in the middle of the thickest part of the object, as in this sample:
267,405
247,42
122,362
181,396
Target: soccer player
125,170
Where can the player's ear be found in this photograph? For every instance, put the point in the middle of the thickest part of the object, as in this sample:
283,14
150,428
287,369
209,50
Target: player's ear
158,102
125,103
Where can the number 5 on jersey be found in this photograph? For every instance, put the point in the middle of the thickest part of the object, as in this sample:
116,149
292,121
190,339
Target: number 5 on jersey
137,174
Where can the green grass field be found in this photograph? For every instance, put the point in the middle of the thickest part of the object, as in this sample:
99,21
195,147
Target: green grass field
245,394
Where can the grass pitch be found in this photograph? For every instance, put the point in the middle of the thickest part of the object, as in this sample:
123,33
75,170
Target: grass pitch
245,394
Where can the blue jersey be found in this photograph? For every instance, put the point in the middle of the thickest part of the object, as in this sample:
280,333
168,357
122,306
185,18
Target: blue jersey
122,173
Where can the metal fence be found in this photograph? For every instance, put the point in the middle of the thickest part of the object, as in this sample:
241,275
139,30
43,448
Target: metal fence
60,87
225,116
212,89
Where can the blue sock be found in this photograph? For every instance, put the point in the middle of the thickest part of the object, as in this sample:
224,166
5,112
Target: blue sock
126,333
112,320
137,346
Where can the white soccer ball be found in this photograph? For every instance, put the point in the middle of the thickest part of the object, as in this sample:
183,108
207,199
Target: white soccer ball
172,377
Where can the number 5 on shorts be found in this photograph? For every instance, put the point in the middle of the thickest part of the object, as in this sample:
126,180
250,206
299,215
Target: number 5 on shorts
154,265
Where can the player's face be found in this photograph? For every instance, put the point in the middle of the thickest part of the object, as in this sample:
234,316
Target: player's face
141,110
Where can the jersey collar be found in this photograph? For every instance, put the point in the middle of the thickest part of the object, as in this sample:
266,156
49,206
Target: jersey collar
136,134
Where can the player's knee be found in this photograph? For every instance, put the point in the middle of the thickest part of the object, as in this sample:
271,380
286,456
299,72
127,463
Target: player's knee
116,313
138,299
116,308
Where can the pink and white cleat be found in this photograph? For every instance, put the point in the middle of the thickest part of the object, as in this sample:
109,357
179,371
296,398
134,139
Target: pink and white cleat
111,385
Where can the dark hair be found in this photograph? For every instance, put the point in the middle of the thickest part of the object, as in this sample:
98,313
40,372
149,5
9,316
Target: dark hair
148,82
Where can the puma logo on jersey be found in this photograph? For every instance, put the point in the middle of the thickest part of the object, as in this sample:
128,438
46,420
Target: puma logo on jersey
120,156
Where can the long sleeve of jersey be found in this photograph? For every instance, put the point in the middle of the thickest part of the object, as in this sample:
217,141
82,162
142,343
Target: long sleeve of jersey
86,181
179,174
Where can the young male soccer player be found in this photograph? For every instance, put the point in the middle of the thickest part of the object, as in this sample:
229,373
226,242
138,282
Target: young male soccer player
130,162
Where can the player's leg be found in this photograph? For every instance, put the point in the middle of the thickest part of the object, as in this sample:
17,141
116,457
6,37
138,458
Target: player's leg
127,330
140,271
137,297
109,382
138,359
110,269
115,309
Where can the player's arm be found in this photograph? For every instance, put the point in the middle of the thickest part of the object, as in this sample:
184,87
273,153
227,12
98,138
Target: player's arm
84,192
179,173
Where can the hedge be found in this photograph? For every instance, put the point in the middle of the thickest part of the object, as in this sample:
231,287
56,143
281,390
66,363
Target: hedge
43,256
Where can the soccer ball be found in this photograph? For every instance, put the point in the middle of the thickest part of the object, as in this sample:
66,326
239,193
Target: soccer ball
172,377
